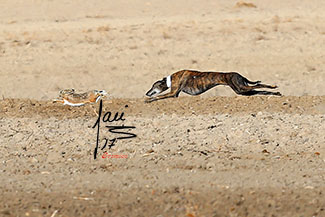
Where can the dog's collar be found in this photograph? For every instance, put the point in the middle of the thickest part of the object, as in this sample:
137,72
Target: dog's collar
169,81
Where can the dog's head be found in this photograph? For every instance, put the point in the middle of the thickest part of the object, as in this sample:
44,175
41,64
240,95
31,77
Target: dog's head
158,87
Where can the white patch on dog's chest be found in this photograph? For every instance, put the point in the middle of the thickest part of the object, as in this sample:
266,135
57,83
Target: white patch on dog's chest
169,81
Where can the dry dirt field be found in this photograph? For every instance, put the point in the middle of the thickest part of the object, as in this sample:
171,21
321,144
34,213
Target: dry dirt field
217,154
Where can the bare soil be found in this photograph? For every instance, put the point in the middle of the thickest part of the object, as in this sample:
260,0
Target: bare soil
221,156
217,154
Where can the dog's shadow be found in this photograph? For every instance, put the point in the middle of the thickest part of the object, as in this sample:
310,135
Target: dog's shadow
260,92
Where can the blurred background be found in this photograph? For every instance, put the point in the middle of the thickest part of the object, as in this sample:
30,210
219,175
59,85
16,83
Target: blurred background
124,46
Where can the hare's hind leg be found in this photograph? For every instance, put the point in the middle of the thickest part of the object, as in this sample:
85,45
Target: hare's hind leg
58,100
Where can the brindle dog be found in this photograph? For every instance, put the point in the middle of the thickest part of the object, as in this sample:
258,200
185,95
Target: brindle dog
195,83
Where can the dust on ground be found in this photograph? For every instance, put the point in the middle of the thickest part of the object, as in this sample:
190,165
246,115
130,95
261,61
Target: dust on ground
240,156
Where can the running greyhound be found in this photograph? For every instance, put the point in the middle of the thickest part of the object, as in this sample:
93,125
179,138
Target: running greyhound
196,82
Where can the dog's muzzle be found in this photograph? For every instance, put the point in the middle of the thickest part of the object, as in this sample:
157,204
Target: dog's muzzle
151,92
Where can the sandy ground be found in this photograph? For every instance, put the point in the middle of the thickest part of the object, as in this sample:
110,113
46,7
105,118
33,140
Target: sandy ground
217,154
221,156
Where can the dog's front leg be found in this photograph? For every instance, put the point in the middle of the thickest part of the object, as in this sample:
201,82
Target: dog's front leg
172,93
164,96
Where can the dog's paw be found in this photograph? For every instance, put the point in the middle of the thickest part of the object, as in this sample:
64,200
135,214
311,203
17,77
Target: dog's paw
277,94
148,100
274,86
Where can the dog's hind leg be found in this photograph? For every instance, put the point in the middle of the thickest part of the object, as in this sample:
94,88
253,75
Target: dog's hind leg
241,84
251,82
250,90
261,86
242,88
235,88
